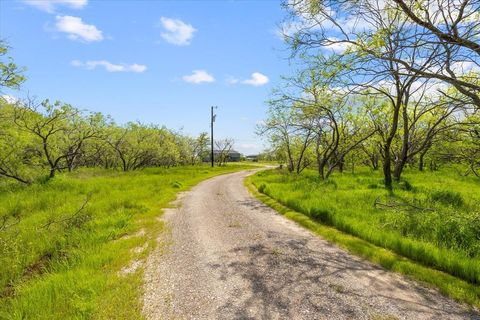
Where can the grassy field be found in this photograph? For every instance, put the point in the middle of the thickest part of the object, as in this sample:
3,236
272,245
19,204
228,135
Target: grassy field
67,246
431,218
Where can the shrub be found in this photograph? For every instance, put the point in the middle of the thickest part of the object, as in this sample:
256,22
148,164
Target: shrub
447,197
176,184
322,215
405,185
261,188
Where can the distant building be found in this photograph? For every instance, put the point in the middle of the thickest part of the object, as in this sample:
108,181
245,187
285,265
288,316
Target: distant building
233,156
252,157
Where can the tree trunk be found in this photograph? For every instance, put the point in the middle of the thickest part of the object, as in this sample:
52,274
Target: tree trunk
387,170
321,169
302,153
71,163
341,165
374,160
52,173
402,159
290,166
321,162
398,169
421,162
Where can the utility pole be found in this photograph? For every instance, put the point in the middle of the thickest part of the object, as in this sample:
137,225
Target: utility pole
212,120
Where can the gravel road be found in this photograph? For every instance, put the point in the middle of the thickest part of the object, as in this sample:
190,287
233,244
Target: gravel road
225,255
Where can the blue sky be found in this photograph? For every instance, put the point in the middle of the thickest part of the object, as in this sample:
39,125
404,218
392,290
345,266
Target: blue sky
152,61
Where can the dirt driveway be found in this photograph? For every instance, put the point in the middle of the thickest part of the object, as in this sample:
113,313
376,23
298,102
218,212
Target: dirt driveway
225,255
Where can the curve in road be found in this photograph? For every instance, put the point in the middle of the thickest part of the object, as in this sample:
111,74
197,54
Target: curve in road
225,255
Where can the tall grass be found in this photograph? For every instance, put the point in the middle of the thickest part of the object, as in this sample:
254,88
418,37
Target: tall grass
60,262
431,217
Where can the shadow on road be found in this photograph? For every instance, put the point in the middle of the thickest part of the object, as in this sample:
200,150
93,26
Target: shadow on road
292,278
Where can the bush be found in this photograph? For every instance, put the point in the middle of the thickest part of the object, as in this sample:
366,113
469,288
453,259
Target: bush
176,184
405,185
322,215
261,188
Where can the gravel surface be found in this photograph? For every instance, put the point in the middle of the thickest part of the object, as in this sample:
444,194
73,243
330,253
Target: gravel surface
225,255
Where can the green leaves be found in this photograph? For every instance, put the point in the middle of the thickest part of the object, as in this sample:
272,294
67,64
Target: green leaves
10,74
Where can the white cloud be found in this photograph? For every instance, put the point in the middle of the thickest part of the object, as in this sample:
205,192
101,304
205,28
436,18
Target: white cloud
232,80
337,45
77,29
419,89
423,89
257,79
248,148
198,76
50,5
177,32
9,99
288,29
461,67
349,22
353,24
110,67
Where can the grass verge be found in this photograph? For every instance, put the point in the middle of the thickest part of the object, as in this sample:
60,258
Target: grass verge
58,261
449,285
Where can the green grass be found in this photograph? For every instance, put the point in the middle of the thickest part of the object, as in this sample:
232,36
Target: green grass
429,230
58,263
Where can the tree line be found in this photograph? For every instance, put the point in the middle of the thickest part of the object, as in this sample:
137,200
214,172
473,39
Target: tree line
388,84
38,139
41,139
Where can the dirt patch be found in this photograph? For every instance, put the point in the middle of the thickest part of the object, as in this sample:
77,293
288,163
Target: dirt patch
131,268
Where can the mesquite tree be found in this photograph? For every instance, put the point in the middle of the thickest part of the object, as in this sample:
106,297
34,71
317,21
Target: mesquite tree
372,48
46,138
